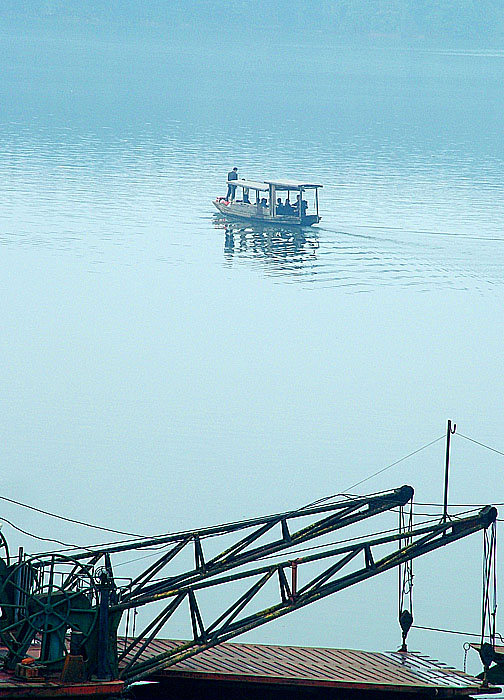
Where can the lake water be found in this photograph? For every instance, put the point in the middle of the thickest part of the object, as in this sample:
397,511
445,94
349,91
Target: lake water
161,369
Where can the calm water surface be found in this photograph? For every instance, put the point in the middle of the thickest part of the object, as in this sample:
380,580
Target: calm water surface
163,367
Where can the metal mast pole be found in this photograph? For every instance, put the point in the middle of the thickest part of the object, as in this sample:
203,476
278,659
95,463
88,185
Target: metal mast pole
449,432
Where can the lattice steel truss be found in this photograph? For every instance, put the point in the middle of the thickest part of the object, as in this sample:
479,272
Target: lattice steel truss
51,598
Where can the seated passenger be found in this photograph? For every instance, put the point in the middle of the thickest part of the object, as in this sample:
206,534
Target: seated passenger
279,206
304,207
264,202
288,208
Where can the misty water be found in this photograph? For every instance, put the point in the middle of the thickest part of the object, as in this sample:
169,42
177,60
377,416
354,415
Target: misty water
163,369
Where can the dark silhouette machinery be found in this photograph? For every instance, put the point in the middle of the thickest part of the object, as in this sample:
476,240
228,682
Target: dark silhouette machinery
55,606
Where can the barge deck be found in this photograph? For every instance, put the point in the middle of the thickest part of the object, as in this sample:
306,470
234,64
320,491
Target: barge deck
235,670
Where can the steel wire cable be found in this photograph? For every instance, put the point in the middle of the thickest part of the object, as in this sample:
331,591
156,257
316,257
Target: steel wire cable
73,547
481,444
458,505
68,520
359,537
37,537
465,634
68,546
430,516
185,533
402,459
181,534
158,548
380,471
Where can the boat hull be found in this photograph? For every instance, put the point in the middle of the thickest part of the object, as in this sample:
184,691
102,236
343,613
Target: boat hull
251,212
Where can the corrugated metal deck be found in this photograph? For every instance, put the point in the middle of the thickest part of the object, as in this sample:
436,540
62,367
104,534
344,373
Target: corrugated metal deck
330,668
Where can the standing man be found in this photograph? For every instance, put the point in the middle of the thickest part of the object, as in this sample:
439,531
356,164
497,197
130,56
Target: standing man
233,175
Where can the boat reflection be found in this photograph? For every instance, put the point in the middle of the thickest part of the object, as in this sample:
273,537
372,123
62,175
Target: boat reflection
279,249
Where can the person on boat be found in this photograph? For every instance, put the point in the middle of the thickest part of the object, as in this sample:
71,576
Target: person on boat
246,199
232,175
288,208
264,203
300,202
279,206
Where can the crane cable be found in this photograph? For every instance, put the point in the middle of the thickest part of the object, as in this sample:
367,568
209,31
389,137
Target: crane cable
402,459
380,471
489,598
317,502
68,520
405,574
481,444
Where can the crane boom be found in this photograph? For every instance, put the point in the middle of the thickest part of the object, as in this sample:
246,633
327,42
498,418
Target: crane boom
49,596
334,578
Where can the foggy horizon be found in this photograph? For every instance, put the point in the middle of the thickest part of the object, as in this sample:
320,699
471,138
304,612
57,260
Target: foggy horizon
432,22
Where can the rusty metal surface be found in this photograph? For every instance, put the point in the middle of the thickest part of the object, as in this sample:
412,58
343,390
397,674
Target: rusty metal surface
499,648
344,668
17,689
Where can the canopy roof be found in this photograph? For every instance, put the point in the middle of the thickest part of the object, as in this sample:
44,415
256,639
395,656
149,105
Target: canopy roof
250,184
279,184
292,184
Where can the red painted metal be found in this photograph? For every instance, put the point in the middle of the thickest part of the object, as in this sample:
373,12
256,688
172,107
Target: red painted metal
13,688
335,668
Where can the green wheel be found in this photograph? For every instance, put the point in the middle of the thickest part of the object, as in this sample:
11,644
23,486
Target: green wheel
42,600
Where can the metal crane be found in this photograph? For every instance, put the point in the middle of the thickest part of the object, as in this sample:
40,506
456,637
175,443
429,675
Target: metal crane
74,604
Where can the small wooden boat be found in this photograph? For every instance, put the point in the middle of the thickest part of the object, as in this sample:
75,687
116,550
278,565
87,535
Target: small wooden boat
260,201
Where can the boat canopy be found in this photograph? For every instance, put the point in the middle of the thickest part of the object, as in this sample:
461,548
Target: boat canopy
250,184
292,184
278,184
